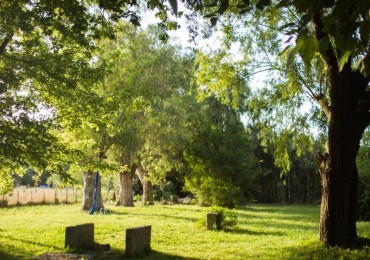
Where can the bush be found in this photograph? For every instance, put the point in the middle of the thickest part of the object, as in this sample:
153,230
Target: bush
225,220
137,197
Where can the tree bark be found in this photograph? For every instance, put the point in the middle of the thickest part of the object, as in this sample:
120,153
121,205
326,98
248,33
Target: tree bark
338,169
89,188
126,191
348,115
147,198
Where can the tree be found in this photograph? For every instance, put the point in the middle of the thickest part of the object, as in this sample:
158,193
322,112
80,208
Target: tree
47,53
147,85
47,67
338,33
219,157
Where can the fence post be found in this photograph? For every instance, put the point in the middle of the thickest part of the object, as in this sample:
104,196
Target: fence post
17,197
31,196
67,196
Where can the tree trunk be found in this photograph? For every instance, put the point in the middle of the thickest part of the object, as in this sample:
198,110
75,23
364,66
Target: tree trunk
338,169
147,198
89,188
348,115
126,191
339,195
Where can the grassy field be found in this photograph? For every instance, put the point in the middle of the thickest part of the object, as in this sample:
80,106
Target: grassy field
264,231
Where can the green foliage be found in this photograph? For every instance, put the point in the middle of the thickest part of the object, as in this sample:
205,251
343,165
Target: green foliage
219,157
6,182
46,51
149,86
217,75
164,191
363,166
364,198
225,219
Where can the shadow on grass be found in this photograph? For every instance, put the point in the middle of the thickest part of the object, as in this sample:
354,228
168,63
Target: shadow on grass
165,216
5,253
119,254
114,212
289,211
244,231
29,242
280,224
318,250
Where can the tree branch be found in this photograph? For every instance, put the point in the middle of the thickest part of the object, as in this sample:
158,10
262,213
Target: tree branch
328,54
5,43
319,99
256,72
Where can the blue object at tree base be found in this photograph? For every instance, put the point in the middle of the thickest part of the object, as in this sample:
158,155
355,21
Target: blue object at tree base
92,210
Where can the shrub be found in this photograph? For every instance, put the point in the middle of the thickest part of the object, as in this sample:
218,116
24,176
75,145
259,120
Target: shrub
225,220
137,197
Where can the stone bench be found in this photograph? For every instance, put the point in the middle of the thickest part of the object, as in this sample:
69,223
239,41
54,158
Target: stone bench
138,240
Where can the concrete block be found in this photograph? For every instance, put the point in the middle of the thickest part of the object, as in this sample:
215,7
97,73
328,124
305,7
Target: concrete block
80,236
138,240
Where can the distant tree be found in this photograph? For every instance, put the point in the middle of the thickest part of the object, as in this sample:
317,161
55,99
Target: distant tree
220,157
148,84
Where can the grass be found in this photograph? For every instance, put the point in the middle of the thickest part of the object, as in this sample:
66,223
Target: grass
264,231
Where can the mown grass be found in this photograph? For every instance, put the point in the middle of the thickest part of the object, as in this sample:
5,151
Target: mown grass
264,231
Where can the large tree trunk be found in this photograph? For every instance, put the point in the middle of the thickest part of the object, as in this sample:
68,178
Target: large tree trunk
338,169
89,188
147,198
348,115
126,191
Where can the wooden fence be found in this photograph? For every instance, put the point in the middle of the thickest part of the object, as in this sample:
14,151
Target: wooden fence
39,196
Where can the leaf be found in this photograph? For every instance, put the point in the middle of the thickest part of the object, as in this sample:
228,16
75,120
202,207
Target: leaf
293,52
309,47
344,59
173,4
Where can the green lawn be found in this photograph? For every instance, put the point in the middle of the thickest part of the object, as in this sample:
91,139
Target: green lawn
264,231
